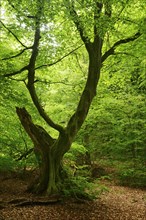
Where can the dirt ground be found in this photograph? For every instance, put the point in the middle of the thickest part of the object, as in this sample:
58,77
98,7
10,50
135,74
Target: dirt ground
119,203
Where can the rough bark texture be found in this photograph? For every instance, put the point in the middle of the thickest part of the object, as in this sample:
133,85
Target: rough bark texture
47,148
42,144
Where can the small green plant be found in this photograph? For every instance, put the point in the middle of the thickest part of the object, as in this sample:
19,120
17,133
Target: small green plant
81,187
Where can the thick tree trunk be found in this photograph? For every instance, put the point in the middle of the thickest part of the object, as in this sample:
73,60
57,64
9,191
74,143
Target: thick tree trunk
50,164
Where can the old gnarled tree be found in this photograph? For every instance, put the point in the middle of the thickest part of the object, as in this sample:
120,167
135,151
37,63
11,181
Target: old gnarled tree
52,150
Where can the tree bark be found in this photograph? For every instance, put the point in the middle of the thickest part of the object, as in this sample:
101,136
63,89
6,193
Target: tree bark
51,152
43,144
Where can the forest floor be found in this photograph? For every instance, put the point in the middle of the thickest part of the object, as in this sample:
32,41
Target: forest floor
118,203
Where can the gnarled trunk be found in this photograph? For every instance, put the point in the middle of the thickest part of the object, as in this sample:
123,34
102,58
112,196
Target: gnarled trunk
51,152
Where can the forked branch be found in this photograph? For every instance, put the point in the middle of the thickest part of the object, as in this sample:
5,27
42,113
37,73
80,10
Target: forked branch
78,24
111,51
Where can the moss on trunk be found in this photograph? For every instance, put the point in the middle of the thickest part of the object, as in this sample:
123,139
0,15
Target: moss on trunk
50,151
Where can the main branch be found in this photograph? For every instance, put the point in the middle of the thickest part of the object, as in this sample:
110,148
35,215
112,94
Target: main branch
31,75
94,51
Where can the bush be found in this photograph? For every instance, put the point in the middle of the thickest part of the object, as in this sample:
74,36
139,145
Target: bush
75,187
80,188
7,164
132,177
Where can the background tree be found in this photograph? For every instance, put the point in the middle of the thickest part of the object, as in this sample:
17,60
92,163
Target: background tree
45,31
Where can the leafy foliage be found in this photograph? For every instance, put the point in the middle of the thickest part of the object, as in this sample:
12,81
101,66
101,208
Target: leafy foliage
115,128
